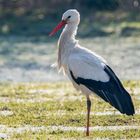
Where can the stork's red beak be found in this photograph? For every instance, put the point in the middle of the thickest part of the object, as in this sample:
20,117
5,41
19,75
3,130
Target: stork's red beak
58,27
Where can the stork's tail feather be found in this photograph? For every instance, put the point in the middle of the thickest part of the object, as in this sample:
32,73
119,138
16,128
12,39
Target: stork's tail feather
123,100
124,103
127,104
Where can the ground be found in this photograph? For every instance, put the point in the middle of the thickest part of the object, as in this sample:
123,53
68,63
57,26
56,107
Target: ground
57,111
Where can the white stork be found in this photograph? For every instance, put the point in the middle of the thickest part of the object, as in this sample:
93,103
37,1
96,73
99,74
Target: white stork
87,71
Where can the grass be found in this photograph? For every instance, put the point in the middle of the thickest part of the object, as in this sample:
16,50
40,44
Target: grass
54,104
126,134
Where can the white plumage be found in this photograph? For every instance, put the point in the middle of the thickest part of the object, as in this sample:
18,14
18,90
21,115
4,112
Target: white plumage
88,71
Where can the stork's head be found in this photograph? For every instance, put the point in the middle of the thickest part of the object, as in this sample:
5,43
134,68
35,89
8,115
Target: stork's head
70,17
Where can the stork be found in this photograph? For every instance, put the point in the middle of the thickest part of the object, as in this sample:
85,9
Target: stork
88,71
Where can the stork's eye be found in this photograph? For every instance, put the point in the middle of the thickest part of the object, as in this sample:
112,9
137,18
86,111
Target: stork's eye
69,16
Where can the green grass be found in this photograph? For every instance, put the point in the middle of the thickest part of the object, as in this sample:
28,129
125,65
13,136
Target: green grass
58,135
60,104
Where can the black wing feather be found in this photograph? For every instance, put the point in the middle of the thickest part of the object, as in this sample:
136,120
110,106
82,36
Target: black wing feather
111,91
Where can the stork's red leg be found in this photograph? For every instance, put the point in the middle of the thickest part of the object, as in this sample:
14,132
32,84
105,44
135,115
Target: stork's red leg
88,114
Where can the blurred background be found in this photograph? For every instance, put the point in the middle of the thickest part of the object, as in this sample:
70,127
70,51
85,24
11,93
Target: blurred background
111,28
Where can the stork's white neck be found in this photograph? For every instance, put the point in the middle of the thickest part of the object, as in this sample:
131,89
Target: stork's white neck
69,31
66,42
